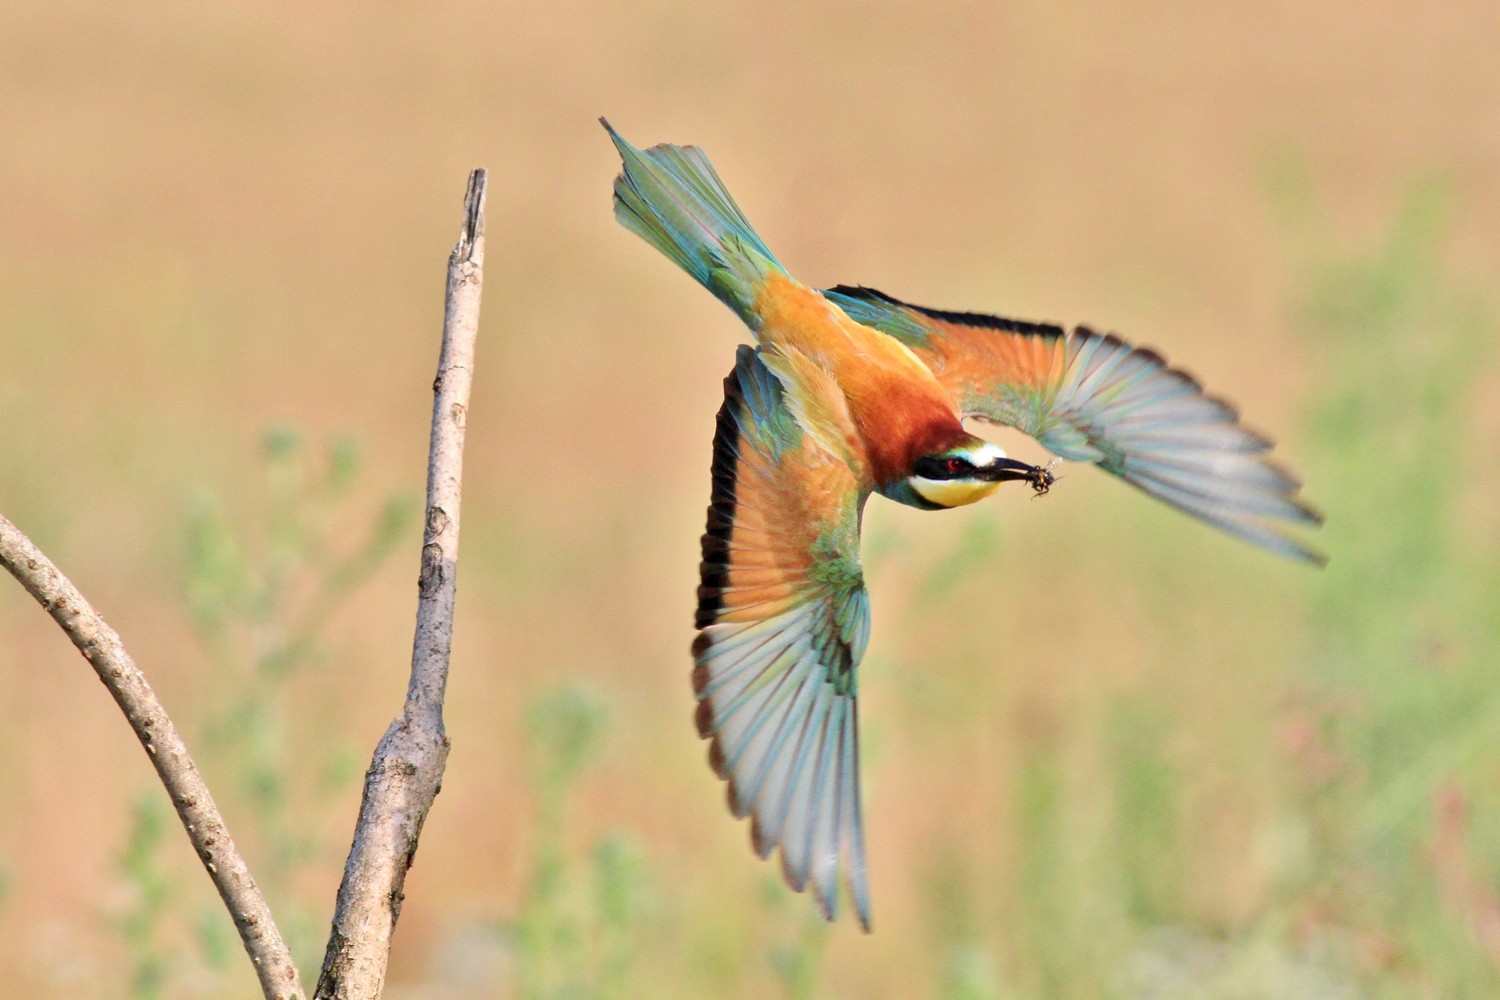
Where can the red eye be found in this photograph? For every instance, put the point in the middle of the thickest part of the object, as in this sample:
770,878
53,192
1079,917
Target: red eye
955,465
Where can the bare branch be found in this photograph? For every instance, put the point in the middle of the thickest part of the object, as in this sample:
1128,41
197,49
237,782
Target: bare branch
101,646
407,769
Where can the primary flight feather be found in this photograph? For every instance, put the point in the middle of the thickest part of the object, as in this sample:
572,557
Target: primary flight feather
849,392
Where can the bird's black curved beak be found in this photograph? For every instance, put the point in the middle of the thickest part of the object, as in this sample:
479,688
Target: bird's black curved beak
1009,470
1006,470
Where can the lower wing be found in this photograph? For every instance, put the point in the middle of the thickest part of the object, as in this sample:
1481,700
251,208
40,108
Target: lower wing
783,618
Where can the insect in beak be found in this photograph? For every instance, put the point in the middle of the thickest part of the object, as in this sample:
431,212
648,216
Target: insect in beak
1044,478
1005,470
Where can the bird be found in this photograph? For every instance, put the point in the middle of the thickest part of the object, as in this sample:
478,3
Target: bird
848,392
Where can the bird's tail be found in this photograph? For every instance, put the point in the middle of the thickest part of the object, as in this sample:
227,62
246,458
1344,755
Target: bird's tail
671,197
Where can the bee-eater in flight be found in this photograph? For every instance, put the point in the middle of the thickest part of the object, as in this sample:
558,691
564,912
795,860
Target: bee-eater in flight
849,392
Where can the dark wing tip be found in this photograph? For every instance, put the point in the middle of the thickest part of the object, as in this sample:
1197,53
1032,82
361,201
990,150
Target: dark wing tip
703,716
714,568
866,294
798,881
716,760
977,319
759,842
701,644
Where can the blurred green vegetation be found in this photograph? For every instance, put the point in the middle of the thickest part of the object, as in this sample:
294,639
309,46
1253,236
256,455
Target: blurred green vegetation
262,598
574,931
1401,711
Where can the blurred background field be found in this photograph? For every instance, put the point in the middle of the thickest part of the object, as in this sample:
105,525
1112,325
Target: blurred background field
1108,753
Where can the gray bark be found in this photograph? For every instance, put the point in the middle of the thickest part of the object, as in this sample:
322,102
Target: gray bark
407,769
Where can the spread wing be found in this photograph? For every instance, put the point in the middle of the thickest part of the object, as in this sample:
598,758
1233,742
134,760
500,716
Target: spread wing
1091,397
783,618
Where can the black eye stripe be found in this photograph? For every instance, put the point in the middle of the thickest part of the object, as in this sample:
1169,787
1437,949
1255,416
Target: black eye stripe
943,467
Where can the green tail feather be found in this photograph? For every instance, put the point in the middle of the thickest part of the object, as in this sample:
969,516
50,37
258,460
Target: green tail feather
671,197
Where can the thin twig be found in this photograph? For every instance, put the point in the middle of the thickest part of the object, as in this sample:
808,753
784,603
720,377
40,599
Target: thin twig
101,646
407,769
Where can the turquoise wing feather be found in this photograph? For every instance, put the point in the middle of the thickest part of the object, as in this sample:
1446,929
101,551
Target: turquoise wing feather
783,619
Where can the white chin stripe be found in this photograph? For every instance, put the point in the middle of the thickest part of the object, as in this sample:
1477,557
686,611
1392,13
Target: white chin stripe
986,454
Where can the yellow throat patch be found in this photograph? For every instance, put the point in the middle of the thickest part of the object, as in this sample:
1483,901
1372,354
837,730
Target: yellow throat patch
952,492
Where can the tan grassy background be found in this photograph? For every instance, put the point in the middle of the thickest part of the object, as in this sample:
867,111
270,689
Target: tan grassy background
219,218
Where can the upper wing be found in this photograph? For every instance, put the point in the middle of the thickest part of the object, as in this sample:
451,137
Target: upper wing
1091,397
783,618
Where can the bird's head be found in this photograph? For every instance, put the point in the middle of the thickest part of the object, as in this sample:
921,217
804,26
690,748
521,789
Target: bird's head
963,472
